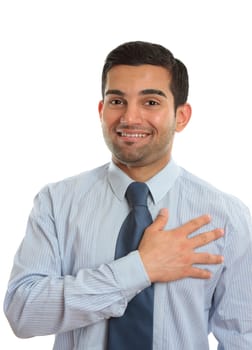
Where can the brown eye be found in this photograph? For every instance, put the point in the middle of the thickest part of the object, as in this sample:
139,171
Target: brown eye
116,102
152,103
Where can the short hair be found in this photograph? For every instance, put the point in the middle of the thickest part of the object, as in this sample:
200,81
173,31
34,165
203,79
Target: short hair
136,53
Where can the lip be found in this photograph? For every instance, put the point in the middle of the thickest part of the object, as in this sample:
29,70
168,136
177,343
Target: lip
133,131
132,135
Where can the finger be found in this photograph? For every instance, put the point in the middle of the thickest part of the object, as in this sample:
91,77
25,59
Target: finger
196,272
194,224
205,238
206,258
160,221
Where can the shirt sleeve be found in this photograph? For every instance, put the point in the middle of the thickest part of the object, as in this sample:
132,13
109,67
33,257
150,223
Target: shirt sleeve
40,300
231,320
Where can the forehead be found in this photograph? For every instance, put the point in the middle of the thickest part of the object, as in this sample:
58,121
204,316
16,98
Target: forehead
138,78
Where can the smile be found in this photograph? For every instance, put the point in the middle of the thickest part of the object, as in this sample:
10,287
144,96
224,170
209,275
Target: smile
125,134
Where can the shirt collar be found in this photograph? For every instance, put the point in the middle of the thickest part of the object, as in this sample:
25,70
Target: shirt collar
162,182
159,184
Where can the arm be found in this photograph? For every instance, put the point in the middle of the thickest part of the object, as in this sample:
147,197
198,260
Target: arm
231,319
42,300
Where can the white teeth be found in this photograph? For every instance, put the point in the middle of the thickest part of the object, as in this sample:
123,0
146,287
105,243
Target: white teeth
124,134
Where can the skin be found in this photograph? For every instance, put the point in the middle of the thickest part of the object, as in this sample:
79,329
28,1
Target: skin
138,101
139,122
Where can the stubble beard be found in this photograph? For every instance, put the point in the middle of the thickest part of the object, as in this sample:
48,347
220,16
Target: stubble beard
140,156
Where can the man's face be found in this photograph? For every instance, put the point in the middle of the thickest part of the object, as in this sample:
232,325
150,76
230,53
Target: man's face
137,115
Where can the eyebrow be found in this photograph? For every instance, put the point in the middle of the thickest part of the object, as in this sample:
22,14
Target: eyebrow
143,92
114,92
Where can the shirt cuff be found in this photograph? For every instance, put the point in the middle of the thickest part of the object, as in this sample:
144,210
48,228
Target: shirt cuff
130,274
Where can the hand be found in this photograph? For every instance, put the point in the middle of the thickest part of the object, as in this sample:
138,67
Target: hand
169,255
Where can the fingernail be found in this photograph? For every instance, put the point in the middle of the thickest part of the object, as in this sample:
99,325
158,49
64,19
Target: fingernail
163,212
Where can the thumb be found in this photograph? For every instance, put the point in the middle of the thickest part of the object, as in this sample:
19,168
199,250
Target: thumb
161,219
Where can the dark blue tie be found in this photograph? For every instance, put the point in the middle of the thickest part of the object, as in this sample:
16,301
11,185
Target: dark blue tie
133,330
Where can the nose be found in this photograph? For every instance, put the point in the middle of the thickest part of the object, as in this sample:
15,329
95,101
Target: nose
131,114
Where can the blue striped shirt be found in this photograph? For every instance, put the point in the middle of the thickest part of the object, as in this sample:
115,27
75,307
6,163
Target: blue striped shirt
65,280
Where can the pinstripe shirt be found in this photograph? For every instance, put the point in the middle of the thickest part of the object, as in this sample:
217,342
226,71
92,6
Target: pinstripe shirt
65,281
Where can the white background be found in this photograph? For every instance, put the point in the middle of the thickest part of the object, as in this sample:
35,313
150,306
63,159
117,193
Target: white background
52,53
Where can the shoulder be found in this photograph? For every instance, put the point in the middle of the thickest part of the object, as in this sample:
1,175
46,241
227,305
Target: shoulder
227,211
196,187
77,185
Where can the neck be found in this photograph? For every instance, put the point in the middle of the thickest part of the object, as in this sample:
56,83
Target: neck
142,173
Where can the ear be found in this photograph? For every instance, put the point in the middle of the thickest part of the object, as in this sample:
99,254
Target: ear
100,109
183,115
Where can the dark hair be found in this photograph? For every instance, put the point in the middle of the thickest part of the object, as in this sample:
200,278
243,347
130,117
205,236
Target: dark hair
136,53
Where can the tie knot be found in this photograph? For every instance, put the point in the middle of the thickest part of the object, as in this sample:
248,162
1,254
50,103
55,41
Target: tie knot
137,194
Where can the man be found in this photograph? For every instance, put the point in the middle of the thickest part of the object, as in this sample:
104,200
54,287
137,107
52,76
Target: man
197,253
